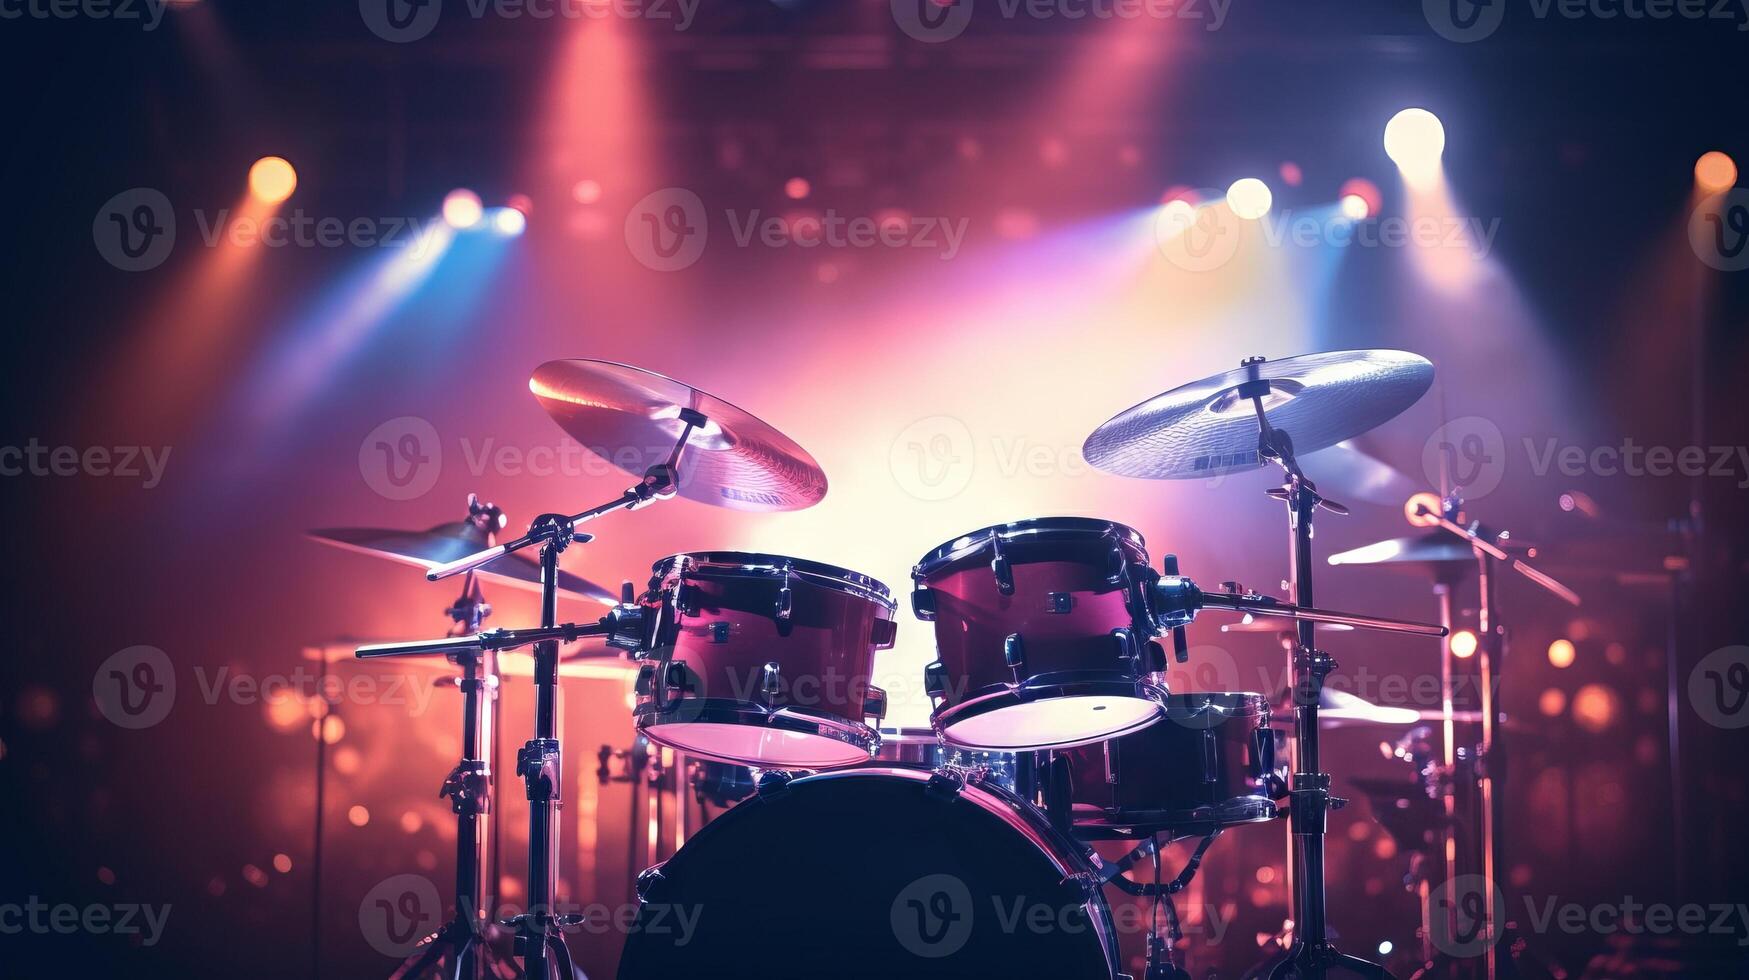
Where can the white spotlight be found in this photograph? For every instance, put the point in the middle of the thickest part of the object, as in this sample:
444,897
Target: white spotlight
509,222
1249,198
1415,140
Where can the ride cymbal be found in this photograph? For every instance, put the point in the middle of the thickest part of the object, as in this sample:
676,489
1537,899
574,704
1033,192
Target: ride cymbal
632,418
1209,428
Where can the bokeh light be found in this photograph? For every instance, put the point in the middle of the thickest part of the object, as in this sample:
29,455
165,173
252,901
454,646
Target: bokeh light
1249,198
1415,140
1561,653
272,179
1714,172
1463,644
462,208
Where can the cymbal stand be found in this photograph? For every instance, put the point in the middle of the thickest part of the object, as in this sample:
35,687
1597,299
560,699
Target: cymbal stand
1309,799
538,934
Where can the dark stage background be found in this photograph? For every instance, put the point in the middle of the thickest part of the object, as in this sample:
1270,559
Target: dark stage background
943,386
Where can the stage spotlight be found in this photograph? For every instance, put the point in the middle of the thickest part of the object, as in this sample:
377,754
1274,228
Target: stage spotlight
1715,172
1414,140
1463,644
272,179
1366,199
508,222
1561,653
1249,198
462,208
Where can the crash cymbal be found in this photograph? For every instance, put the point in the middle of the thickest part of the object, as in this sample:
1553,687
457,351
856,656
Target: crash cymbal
447,542
631,418
1347,473
1207,428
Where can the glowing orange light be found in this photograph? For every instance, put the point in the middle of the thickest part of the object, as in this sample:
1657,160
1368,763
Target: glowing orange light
1561,653
796,188
272,179
1463,644
1714,172
411,822
358,816
1595,707
1552,702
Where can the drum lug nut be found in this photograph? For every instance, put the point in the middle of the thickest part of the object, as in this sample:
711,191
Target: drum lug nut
999,567
771,680
923,603
773,783
1014,650
935,679
874,704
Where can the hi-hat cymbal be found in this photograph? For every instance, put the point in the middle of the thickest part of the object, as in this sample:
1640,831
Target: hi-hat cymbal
447,542
1437,548
631,418
1207,428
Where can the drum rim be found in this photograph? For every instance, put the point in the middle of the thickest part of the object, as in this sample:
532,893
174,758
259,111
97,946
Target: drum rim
996,696
725,711
1239,811
759,564
1227,702
972,542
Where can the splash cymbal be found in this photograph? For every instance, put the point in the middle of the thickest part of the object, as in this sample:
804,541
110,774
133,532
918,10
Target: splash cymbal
631,418
1209,428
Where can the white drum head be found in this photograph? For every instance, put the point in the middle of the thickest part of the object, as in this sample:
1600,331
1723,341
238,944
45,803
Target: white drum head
758,746
1054,723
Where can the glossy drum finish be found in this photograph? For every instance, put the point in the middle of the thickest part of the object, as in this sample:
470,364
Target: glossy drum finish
874,873
1210,764
763,660
1042,632
921,748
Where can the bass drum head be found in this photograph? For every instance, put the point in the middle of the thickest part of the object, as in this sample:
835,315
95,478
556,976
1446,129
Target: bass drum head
869,873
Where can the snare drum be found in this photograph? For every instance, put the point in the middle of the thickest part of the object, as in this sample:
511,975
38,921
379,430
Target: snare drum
763,660
1210,764
1043,634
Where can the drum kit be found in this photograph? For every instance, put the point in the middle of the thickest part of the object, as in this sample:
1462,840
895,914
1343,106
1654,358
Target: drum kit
855,850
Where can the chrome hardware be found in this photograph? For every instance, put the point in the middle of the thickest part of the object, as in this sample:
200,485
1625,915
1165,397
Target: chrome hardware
1014,650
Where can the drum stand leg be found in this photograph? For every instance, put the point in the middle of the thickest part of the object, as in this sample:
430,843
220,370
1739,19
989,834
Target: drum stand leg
1309,799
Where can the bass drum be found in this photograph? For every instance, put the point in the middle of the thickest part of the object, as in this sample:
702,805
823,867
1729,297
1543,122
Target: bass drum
876,873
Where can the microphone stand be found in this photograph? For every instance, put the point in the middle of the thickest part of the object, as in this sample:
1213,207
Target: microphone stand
538,931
